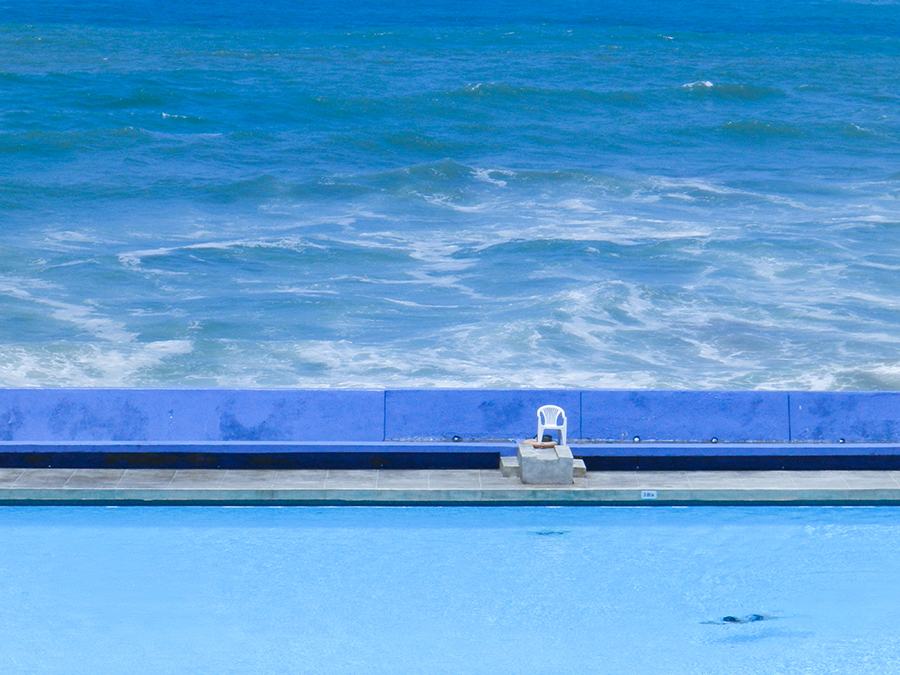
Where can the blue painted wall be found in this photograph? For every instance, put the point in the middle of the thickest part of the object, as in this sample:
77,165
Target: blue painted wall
478,414
695,416
374,416
190,415
833,417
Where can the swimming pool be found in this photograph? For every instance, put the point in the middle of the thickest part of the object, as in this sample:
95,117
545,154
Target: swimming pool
448,590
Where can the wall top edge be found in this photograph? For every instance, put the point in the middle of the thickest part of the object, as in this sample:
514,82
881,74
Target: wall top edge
444,389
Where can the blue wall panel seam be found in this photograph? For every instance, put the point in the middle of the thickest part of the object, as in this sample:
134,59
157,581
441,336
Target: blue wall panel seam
790,430
581,413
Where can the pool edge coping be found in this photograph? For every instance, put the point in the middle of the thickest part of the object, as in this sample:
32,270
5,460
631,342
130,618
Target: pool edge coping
472,488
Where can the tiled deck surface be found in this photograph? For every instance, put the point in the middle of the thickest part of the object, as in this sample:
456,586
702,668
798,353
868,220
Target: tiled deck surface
165,486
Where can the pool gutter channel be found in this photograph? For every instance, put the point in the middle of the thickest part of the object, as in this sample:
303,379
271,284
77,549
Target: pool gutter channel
115,487
437,455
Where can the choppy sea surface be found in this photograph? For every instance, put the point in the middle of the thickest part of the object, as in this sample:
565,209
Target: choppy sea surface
454,193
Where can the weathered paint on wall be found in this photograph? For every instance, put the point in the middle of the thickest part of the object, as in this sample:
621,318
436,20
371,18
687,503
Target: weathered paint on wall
465,427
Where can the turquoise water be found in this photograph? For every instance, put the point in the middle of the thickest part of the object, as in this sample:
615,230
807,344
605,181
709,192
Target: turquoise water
448,590
349,194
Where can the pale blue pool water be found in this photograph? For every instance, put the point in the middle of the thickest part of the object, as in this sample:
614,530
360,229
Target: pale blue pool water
448,590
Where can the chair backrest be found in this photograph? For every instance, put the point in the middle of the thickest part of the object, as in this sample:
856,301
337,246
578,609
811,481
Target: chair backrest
551,415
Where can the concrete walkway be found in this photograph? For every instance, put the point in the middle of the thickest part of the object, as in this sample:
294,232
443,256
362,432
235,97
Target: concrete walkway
432,487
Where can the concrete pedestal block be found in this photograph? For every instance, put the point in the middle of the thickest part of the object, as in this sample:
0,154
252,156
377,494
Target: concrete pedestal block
546,466
509,467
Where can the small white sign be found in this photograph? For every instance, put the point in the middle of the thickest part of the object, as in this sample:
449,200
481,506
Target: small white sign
648,494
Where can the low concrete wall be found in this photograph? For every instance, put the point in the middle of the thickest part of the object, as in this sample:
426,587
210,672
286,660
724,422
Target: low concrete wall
417,427
476,414
190,415
833,417
687,416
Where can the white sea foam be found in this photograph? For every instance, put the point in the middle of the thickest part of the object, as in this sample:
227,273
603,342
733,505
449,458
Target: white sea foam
304,291
447,201
17,287
595,331
578,205
486,176
91,365
136,258
86,317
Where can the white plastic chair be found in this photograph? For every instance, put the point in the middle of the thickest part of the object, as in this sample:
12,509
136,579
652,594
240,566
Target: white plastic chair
549,418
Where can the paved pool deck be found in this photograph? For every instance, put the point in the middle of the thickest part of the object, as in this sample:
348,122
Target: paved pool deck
111,487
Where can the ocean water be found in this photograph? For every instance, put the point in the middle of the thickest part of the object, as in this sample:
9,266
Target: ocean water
648,193
427,591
